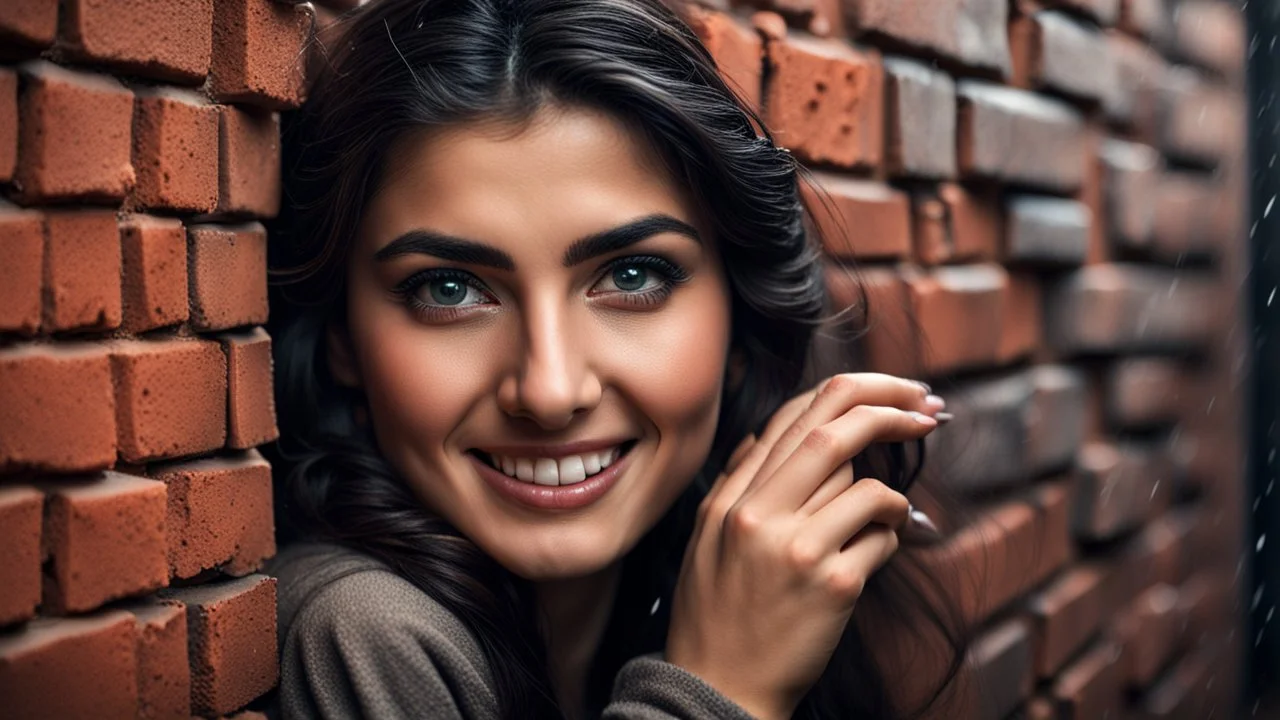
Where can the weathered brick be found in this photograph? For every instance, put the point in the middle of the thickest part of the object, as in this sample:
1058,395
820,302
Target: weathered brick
818,17
1201,120
171,397
1046,231
164,675
1135,98
231,628
1054,417
1017,136
826,101
1142,392
27,26
74,136
888,344
164,39
1211,34
1065,615
1183,222
972,33
1150,629
866,219
251,410
62,392
21,275
737,49
1151,19
985,447
257,53
175,151
954,223
219,514
1021,328
1056,52
1090,687
8,123
155,272
79,667
1132,179
105,536
997,677
1183,692
21,510
920,106
1116,490
227,275
82,270
956,309
248,162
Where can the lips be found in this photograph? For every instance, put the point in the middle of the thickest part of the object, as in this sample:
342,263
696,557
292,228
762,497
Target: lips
560,496
567,469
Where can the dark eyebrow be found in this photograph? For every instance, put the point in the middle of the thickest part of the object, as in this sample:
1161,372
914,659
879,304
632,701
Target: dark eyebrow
449,247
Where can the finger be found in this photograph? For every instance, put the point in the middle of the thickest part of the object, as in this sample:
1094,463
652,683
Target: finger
848,570
825,448
837,396
729,488
836,483
861,504
740,452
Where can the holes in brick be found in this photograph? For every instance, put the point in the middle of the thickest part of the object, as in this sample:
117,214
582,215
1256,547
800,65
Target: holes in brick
812,105
820,86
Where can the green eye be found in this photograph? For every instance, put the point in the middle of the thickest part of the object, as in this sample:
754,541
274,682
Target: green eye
630,278
448,292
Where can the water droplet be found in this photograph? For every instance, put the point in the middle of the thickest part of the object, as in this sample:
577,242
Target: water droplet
1262,540
1270,204
654,610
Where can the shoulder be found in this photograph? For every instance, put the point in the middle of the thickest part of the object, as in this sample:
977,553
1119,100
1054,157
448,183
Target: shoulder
355,635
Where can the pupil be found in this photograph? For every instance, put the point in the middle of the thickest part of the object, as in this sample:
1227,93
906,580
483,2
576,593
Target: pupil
448,292
629,278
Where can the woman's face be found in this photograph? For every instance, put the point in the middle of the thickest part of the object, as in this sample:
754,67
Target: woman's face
540,321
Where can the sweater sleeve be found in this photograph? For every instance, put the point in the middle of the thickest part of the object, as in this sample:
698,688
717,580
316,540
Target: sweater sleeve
648,688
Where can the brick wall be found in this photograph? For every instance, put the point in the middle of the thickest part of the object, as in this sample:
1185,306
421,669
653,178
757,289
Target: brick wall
1043,201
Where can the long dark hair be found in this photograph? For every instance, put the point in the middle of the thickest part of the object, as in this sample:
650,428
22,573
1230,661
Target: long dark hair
397,65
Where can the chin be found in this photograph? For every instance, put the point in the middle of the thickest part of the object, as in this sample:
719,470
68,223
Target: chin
558,553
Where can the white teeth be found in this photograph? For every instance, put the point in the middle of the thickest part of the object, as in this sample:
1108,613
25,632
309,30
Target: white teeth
524,469
572,470
591,463
546,472
508,466
606,457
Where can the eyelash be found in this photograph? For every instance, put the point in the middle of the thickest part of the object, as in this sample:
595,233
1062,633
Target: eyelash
670,275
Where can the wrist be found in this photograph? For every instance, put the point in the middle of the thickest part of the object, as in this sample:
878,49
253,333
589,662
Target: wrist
757,702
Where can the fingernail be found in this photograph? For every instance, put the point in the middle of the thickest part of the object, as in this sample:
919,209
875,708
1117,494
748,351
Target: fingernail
922,418
920,528
943,417
935,402
924,385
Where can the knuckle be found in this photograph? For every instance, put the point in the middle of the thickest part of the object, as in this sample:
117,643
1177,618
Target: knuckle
742,520
845,583
803,555
819,440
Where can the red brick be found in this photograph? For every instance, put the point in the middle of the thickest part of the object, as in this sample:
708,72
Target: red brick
8,123
74,136
105,536
956,308
171,397
1116,490
21,275
1106,12
1065,615
155,272
1142,392
1135,99
1208,602
1211,34
248,162
227,272
82,270
1132,175
1151,19
865,219
81,667
1055,52
175,151
736,48
1201,119
1021,328
1019,137
818,17
920,103
956,223
250,404
219,513
231,628
164,39
28,24
1151,631
62,392
1091,687
21,509
1183,223
257,53
826,101
972,33
984,449
888,344
164,675
1046,231
1183,692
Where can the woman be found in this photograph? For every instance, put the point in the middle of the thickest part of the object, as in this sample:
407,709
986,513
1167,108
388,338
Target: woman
539,279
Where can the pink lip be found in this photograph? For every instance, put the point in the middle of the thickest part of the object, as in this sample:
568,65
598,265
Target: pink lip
559,497
552,451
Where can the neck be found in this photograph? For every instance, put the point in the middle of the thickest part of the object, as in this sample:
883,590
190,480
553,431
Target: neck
575,612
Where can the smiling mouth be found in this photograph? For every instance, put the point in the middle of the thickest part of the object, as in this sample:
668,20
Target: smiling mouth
566,470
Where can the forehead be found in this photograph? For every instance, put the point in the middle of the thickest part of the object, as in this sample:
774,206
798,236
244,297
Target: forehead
568,172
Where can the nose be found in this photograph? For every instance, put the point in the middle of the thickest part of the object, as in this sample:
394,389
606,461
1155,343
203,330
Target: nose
554,381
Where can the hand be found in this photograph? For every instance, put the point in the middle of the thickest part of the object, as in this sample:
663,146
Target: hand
786,540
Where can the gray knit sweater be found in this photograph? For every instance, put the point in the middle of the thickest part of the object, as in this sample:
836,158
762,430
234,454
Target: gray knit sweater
358,640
